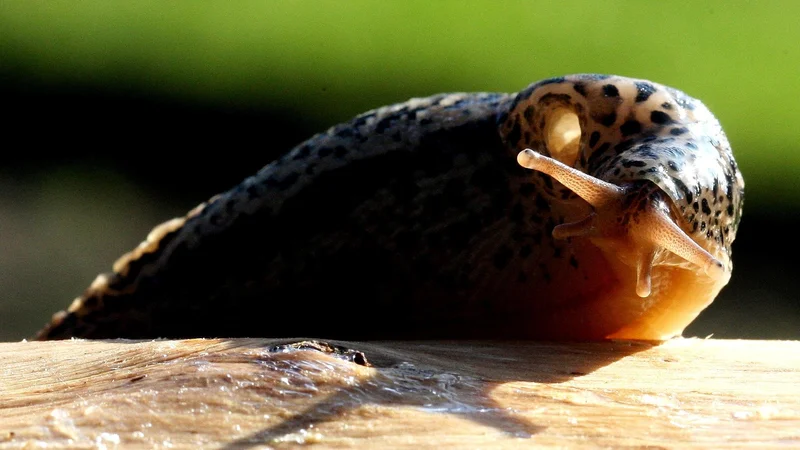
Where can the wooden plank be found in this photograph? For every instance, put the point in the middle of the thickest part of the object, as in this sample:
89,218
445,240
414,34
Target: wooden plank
258,392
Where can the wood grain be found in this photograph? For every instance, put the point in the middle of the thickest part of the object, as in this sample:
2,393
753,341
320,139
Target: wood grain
267,393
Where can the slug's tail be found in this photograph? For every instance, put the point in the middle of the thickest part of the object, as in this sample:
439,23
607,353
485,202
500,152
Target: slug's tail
85,318
92,315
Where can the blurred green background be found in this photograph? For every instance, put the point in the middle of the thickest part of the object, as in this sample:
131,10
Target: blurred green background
109,109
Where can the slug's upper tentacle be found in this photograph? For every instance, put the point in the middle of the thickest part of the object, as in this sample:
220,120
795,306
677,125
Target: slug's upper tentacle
653,163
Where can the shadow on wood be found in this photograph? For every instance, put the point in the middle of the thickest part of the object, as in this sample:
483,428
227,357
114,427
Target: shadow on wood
451,378
246,392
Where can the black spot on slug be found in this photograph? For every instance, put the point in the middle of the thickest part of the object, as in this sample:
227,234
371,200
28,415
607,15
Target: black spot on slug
288,181
644,91
303,153
630,127
660,117
253,192
528,113
580,88
649,138
609,90
706,208
647,151
362,120
384,124
608,119
623,146
501,119
597,154
633,163
594,138
344,132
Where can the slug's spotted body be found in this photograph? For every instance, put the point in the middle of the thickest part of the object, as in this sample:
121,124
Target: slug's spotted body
416,221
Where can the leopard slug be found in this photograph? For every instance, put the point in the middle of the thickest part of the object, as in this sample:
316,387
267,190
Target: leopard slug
584,207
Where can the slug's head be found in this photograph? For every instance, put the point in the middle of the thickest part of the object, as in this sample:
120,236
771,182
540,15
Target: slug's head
653,163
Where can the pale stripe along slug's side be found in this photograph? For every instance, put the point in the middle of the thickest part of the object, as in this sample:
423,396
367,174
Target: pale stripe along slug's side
418,220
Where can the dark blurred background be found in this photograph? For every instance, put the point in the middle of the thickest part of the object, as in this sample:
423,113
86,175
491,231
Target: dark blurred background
119,115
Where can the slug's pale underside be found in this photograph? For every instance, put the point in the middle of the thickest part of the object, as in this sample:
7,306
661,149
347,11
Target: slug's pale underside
418,220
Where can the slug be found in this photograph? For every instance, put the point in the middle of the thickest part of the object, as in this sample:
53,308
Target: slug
585,207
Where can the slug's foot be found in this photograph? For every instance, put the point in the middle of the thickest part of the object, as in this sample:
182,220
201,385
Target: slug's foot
635,220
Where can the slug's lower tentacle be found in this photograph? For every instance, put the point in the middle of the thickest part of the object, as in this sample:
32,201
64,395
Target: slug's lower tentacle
583,227
644,271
